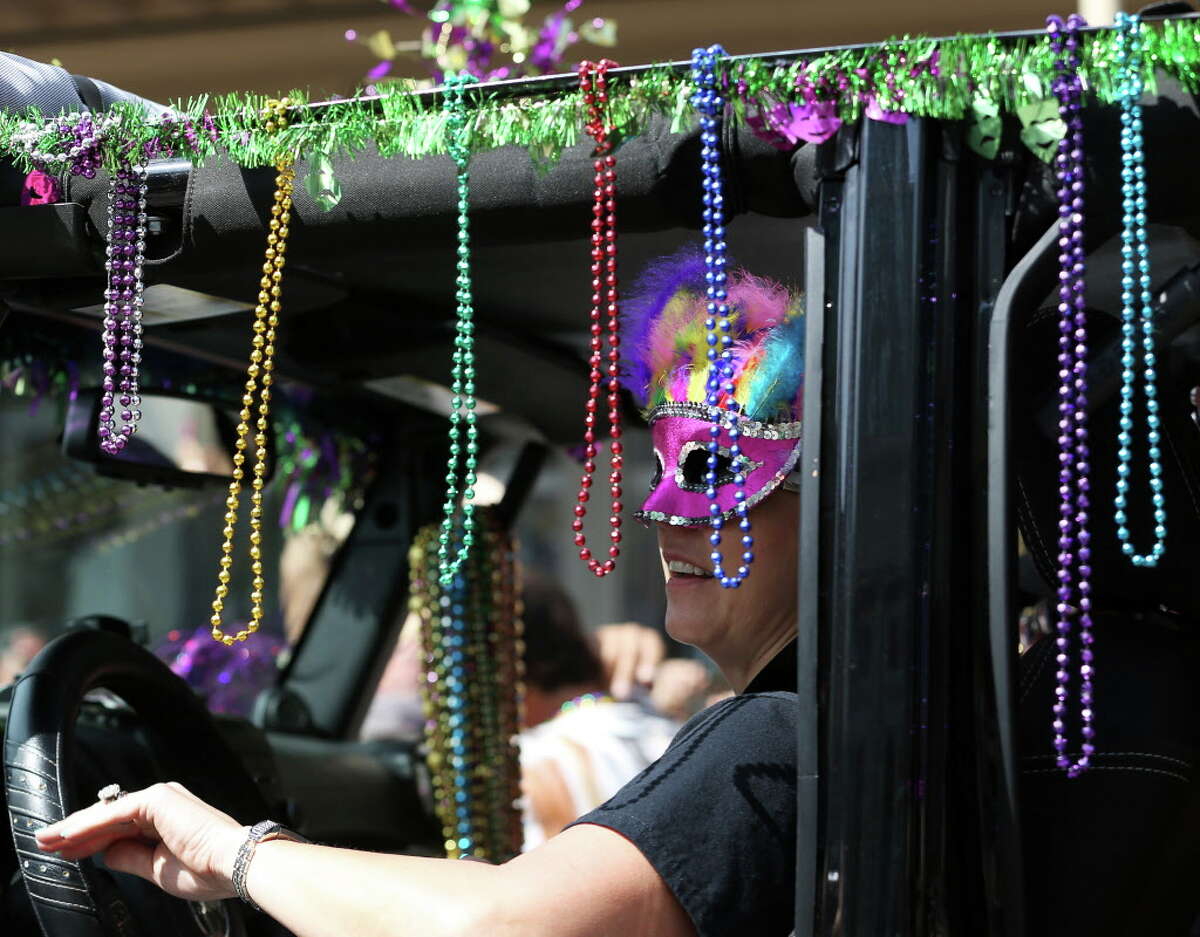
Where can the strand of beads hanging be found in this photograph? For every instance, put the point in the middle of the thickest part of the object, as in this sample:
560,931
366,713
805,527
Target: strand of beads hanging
451,720
1074,538
476,592
593,84
470,634
121,337
256,401
492,630
709,101
509,649
462,384
1136,294
75,145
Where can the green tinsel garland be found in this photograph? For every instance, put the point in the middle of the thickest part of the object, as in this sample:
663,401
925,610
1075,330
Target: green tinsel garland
974,74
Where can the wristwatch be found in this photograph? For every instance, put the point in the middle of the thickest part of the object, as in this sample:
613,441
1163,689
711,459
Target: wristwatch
262,832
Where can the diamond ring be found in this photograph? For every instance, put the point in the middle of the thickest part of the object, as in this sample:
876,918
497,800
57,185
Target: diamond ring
111,793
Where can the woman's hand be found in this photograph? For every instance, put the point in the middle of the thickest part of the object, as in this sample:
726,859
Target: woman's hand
164,834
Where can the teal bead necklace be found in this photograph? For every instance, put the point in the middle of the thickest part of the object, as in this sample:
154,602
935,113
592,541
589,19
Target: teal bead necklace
1135,286
462,387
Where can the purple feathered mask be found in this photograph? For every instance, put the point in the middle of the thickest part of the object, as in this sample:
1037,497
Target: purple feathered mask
667,369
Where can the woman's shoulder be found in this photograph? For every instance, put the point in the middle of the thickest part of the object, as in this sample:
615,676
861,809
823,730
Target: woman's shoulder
735,712
748,726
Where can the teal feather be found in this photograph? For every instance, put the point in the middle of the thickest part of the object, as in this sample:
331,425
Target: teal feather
776,382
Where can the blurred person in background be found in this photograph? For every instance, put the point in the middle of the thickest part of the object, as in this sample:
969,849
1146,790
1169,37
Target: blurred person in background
18,646
581,743
395,711
304,565
636,666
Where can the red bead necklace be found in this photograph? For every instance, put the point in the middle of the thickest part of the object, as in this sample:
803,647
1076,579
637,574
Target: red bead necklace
593,83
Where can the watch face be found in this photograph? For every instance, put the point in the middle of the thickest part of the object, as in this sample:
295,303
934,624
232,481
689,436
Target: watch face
264,828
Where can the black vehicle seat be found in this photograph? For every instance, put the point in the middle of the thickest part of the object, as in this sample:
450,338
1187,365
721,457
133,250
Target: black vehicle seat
1116,851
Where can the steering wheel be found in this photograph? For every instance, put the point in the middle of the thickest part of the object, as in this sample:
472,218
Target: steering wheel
79,898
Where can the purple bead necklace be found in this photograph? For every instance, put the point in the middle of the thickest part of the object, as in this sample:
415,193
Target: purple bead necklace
74,144
122,335
1074,469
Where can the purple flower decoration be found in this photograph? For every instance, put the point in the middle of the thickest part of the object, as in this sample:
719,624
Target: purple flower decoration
40,188
761,129
875,112
547,52
380,70
813,121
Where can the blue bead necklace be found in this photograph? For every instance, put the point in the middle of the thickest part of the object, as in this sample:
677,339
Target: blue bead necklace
709,102
462,387
454,635
1135,286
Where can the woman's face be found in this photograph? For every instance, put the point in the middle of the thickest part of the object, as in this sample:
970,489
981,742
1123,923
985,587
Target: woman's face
735,627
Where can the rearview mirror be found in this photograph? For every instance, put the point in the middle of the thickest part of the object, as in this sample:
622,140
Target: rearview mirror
180,441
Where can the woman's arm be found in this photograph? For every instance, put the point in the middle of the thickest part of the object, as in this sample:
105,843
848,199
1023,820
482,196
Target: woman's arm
587,882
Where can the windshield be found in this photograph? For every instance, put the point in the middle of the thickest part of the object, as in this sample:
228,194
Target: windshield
75,544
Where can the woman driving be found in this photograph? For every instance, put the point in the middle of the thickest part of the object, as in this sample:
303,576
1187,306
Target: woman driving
700,843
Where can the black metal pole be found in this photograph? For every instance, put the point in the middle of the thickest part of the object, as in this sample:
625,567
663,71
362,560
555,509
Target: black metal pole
874,557
808,754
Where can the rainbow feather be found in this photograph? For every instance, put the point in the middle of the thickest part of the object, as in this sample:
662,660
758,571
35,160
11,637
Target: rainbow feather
774,387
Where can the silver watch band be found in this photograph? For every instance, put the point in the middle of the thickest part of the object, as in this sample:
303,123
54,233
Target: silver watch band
262,831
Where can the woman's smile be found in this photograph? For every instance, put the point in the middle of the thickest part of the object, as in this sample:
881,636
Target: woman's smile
685,572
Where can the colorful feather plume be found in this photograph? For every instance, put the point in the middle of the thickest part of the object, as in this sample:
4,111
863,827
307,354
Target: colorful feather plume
665,339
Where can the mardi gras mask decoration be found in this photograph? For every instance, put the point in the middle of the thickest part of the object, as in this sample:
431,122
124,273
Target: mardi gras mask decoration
667,370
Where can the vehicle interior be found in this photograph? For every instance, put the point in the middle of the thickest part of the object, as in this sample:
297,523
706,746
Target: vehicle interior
929,800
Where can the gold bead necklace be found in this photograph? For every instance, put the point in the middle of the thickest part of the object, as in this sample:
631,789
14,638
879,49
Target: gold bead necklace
259,378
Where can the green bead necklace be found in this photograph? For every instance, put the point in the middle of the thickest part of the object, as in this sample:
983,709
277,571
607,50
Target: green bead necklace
462,388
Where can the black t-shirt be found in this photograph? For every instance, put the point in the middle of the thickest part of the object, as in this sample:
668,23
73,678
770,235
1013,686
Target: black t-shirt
716,814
